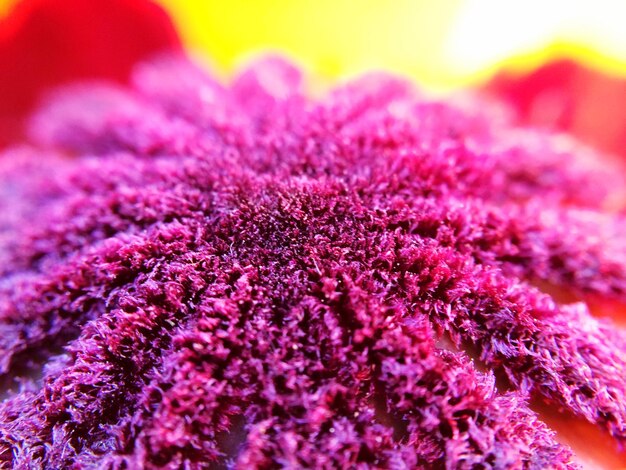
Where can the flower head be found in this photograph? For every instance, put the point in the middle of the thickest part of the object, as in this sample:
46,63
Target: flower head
205,273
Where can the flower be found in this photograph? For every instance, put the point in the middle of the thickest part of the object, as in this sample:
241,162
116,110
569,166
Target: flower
44,43
566,96
240,274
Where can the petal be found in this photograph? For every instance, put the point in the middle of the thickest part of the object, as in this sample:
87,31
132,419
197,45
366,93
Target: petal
44,43
565,95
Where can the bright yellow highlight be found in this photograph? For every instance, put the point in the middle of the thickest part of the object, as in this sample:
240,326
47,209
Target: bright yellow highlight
440,43
329,36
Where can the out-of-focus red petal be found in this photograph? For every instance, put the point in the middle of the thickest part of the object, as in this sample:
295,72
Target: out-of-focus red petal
567,96
44,43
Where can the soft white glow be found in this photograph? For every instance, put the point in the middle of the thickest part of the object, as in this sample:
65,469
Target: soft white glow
488,31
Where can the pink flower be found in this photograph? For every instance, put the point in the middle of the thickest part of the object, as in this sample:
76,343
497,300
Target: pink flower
238,274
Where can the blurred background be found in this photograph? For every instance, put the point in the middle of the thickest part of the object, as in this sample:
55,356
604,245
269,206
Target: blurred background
559,63
442,44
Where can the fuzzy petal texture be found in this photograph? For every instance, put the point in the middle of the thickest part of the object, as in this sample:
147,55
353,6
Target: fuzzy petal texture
196,273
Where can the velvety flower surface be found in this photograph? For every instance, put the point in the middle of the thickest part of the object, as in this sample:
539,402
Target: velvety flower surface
196,275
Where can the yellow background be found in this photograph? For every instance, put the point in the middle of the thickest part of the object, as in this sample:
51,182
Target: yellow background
440,43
